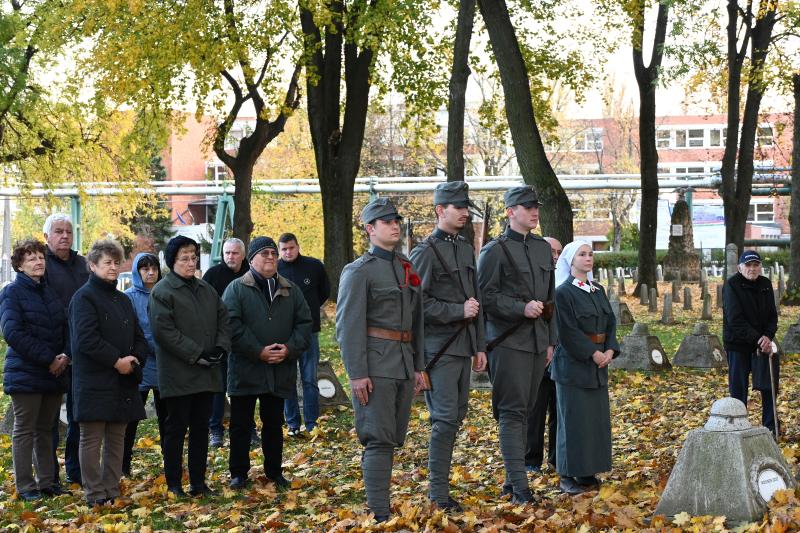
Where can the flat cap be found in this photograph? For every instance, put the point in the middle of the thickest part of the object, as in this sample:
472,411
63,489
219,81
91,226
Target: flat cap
380,208
523,195
452,192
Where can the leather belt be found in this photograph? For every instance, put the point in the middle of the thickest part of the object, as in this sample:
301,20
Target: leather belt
389,334
597,338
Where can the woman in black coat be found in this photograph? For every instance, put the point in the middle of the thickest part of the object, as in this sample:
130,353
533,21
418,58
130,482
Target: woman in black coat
108,352
35,328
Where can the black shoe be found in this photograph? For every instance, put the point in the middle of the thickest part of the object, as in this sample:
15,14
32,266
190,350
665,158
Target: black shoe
217,440
587,481
197,492
521,497
450,506
238,482
381,518
126,472
280,481
54,490
569,486
177,491
507,490
30,495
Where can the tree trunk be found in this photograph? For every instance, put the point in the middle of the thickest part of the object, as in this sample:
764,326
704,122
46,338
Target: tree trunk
647,79
458,89
794,215
242,212
533,163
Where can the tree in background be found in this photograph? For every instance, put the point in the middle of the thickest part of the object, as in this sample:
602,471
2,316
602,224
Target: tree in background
793,288
459,76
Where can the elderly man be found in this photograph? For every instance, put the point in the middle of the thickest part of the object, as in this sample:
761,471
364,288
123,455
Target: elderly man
543,408
192,335
515,272
66,271
749,323
233,266
379,326
271,327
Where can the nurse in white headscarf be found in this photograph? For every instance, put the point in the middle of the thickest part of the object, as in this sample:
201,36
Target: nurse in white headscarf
587,344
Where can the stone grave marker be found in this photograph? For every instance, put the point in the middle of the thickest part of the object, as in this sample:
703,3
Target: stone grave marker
681,259
727,468
687,299
666,313
791,342
331,393
659,273
701,349
706,313
777,295
731,260
612,292
703,276
641,351
781,284
621,286
719,295
479,381
621,312
676,291
652,305
644,294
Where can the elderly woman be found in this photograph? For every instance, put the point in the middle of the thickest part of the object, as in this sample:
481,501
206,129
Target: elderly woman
587,343
35,327
108,351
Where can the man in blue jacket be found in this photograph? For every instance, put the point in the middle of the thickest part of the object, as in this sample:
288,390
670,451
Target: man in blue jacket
308,274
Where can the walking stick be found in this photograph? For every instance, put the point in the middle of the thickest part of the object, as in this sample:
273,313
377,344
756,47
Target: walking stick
772,391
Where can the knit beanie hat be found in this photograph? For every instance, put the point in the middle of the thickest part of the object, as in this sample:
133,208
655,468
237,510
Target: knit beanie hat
259,244
175,244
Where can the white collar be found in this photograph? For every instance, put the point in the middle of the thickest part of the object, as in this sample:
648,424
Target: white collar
585,286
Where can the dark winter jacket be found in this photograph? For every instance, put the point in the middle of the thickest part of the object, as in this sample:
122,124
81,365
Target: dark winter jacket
140,296
255,324
748,313
220,276
187,318
35,327
308,274
65,277
103,328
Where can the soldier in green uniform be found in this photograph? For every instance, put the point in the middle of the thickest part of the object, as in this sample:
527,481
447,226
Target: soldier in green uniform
515,274
454,330
379,326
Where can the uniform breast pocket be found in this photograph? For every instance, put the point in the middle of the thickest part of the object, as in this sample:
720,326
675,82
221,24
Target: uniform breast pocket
385,295
587,320
545,272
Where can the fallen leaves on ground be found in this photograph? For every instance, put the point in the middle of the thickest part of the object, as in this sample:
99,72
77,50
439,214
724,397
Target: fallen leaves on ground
651,415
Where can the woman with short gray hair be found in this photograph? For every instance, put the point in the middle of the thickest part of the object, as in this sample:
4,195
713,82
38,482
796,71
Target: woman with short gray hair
108,351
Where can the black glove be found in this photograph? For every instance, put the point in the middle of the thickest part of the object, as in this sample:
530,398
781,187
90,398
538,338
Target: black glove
211,358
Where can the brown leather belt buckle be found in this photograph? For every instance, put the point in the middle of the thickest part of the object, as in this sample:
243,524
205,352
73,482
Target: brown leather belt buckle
597,338
389,334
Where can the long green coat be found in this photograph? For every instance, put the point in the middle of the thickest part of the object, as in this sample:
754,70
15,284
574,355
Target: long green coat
187,319
255,324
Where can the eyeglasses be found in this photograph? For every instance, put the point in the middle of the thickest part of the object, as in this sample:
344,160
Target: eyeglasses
268,253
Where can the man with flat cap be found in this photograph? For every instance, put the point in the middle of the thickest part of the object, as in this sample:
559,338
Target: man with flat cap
454,330
379,326
515,274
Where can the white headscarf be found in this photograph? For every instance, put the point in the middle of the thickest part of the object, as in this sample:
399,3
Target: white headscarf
564,264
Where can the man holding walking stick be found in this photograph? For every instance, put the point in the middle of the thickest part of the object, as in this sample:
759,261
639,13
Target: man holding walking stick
750,321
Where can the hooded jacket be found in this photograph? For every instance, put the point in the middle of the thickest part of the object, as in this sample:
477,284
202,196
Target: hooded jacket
139,297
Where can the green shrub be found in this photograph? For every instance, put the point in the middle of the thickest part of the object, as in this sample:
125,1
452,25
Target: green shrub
624,259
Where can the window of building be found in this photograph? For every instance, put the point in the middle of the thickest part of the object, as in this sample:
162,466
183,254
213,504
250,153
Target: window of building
680,138
764,136
697,138
216,172
589,140
718,136
761,213
663,138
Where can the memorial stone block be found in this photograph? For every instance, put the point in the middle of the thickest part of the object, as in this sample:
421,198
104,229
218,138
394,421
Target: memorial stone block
666,313
706,313
681,259
791,342
701,349
653,301
676,291
687,299
641,351
644,294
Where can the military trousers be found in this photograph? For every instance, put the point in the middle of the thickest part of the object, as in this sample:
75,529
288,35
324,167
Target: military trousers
515,377
381,427
447,403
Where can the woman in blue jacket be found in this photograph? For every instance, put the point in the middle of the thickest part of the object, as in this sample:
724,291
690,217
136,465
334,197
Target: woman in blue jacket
145,273
35,327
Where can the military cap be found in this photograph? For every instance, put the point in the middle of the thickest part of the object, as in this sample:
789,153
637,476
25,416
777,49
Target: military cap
380,208
523,195
452,192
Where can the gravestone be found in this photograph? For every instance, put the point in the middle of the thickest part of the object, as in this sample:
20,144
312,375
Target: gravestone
622,313
703,276
621,287
479,381
687,299
731,260
653,301
701,349
666,313
331,392
676,291
644,294
612,292
791,342
681,259
641,351
776,294
781,283
706,313
659,273
719,296
727,468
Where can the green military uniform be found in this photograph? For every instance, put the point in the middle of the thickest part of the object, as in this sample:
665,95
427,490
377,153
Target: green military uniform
449,278
517,363
378,299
